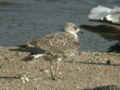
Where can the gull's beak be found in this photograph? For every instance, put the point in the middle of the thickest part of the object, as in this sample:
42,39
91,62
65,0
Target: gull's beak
79,31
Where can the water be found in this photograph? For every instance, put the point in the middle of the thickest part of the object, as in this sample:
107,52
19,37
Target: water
26,19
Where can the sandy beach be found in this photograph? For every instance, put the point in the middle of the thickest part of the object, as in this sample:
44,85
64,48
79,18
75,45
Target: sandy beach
81,71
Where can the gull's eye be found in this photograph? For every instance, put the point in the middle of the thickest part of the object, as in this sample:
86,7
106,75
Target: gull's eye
75,27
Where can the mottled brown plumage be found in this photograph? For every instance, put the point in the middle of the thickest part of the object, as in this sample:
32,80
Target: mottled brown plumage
56,42
59,42
57,46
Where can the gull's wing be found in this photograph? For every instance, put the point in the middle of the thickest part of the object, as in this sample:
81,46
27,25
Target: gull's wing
59,41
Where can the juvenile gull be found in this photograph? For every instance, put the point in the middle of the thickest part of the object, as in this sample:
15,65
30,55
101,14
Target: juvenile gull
58,43
105,14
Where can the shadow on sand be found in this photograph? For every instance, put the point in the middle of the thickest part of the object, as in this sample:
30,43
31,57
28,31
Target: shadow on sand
106,87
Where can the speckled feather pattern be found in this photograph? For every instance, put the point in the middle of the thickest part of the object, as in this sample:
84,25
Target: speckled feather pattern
60,41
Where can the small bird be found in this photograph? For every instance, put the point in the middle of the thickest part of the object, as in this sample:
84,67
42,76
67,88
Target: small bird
58,43
105,14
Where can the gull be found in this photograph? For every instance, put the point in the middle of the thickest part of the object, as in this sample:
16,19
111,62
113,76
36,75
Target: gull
56,46
105,14
58,43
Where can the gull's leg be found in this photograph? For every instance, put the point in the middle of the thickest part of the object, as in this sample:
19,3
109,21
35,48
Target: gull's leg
58,66
58,62
52,71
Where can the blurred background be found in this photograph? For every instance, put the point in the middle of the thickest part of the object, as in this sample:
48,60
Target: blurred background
22,20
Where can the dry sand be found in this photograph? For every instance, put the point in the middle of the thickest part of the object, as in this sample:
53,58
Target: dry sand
87,70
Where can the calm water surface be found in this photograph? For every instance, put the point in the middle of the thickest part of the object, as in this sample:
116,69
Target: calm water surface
27,19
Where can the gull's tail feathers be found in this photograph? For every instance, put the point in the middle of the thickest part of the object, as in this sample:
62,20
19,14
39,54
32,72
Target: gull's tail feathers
34,56
22,46
98,13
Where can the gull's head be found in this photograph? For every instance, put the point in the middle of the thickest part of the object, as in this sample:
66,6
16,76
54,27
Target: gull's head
71,28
